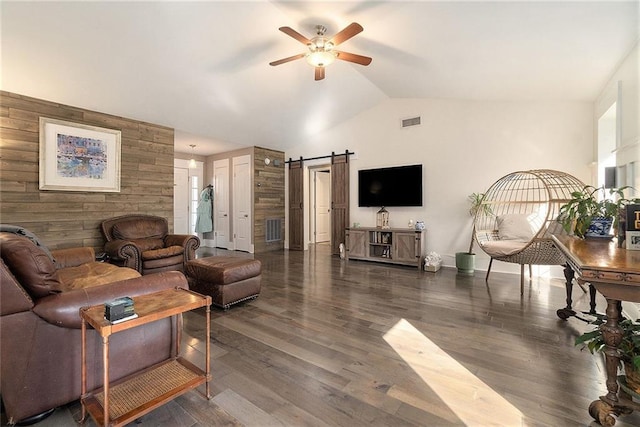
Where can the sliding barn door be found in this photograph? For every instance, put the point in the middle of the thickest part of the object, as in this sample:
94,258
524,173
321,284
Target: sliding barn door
339,200
296,213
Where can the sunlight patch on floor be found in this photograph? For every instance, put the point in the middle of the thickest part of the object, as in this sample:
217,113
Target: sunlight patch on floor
473,401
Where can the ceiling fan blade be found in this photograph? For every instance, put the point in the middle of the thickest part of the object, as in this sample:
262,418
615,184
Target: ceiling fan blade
319,73
289,59
352,57
344,35
296,35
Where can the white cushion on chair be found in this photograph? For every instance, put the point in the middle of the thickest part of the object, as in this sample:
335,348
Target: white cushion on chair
517,227
500,248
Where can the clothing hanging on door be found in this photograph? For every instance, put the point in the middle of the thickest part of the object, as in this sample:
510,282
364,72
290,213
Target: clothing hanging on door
204,220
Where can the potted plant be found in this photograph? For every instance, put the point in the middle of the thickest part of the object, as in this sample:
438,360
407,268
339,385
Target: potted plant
628,349
465,261
591,212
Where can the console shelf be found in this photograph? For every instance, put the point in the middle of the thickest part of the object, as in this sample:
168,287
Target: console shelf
404,246
121,402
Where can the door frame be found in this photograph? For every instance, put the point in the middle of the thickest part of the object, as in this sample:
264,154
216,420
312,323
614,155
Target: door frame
180,200
313,200
198,172
217,243
306,198
235,204
298,206
340,199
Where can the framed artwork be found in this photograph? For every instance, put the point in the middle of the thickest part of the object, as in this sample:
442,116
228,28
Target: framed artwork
78,157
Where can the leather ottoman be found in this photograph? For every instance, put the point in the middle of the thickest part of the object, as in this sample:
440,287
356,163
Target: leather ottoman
228,280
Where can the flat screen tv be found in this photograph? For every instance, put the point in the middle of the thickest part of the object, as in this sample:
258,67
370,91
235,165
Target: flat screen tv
394,186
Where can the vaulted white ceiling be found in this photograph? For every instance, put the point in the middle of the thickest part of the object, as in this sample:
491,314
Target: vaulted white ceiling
203,67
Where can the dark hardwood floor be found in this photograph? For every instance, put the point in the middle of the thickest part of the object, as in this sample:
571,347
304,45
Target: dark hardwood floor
336,343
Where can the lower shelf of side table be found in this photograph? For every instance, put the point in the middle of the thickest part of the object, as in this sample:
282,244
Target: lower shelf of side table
134,396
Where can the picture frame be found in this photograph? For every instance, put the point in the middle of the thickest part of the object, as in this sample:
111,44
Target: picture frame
79,157
633,240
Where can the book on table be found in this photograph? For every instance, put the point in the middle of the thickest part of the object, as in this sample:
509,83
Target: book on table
632,225
124,319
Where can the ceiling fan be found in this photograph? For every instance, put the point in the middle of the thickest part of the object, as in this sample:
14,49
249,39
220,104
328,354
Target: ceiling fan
322,50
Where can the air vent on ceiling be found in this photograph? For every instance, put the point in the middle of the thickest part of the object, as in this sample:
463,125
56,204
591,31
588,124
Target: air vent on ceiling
413,121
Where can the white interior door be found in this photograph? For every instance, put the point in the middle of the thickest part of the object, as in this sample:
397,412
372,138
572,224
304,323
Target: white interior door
194,198
242,219
181,200
323,206
221,203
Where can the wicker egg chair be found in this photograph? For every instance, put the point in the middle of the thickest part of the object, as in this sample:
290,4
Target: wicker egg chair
518,215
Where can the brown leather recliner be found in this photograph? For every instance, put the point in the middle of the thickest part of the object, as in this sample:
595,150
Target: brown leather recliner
143,242
40,351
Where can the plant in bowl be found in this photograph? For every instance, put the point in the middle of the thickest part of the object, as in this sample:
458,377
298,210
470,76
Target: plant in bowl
628,349
593,204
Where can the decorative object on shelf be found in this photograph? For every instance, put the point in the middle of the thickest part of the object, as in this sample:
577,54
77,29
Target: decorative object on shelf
628,349
119,309
410,223
382,218
432,262
420,225
583,213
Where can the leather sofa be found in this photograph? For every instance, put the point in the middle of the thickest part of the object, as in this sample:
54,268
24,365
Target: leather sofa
40,349
143,242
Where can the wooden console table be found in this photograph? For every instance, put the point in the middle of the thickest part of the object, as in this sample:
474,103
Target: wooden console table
615,273
125,400
404,246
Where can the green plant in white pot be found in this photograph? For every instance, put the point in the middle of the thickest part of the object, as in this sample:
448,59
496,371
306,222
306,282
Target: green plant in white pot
465,261
591,207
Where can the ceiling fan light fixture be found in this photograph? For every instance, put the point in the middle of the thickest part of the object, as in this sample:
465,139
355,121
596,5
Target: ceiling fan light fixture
321,51
321,58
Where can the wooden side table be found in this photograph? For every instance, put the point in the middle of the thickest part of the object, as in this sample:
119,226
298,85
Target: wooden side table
615,273
125,400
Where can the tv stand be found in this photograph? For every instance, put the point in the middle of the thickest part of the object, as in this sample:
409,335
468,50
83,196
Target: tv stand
404,246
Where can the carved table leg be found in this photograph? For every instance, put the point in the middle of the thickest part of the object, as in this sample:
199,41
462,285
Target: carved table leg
603,413
565,313
612,335
592,299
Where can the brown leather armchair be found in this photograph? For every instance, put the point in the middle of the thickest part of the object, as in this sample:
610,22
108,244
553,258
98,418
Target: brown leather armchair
40,348
143,242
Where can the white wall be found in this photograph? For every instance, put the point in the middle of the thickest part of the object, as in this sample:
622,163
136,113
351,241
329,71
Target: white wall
624,86
464,147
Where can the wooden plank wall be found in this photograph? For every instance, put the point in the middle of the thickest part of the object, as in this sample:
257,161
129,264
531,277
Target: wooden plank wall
65,218
268,194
